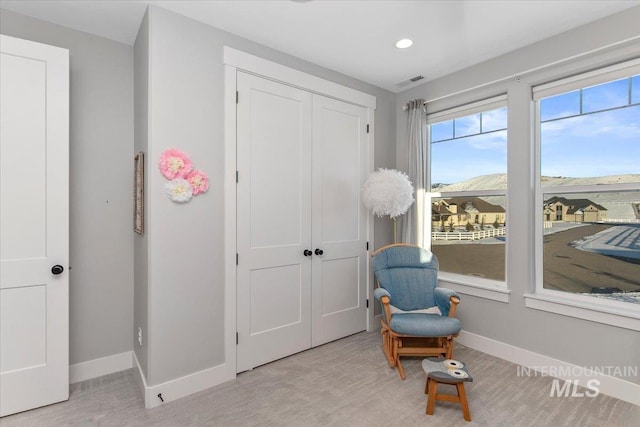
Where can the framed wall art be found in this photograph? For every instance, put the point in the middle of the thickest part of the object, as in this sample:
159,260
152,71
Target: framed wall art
138,201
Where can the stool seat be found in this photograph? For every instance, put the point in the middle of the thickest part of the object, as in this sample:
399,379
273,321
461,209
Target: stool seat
438,373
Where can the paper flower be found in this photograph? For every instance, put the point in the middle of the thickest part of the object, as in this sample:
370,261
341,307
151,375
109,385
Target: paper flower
387,192
179,190
199,182
174,164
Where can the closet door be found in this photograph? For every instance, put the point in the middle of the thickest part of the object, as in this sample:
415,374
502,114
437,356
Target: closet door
340,167
273,220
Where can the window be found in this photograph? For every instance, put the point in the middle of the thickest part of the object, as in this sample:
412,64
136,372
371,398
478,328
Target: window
468,181
588,192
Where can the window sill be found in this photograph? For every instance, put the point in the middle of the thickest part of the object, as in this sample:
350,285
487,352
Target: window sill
477,287
578,307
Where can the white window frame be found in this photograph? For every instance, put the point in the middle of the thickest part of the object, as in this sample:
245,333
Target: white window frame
495,290
610,312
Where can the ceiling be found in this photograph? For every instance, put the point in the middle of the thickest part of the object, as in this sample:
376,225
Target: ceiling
356,38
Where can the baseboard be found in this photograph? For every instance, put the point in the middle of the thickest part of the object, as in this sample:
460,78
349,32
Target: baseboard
99,367
609,385
183,386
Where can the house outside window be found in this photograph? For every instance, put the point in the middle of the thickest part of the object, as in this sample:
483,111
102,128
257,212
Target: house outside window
587,192
468,182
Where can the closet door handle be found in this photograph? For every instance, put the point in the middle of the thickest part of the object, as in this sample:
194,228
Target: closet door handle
319,251
307,252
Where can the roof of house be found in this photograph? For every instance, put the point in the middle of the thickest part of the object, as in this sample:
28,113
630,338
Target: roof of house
439,209
574,204
476,202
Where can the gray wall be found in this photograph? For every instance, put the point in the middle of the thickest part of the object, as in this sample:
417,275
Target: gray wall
581,342
140,242
186,242
101,160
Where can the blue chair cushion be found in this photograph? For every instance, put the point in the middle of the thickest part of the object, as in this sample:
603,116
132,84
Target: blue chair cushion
410,275
424,325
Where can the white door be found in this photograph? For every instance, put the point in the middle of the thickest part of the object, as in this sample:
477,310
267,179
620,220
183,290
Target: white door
274,221
340,167
34,314
302,265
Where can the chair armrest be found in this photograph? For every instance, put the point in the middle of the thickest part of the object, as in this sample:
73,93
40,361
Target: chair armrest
378,293
446,300
385,298
454,304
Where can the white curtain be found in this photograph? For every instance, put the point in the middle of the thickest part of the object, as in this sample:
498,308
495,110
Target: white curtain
412,223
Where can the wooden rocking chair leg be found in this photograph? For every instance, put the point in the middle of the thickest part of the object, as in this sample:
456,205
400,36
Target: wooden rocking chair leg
449,346
400,369
386,347
394,351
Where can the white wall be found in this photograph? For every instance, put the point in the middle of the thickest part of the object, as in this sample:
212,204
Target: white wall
101,165
577,341
186,111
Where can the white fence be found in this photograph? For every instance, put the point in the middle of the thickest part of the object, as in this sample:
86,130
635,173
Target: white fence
468,235
621,221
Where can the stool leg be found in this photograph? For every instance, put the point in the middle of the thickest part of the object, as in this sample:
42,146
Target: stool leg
463,401
431,401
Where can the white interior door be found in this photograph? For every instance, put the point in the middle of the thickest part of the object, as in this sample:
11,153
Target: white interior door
340,167
34,314
273,220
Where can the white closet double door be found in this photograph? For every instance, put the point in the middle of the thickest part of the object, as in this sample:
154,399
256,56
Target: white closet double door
301,226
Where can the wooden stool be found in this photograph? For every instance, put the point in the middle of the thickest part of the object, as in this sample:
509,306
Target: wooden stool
436,372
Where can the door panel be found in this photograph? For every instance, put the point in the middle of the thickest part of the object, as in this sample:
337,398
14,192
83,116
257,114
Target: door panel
23,343
283,311
338,292
274,221
340,166
338,136
34,141
24,120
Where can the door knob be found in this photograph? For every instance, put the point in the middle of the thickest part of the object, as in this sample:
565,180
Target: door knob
307,252
319,251
57,269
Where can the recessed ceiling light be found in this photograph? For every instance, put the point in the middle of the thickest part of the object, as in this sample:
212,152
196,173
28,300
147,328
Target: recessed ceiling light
404,43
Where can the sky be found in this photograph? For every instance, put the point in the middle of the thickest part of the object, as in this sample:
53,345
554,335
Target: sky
604,140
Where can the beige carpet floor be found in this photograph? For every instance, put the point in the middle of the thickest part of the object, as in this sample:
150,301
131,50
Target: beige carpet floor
343,383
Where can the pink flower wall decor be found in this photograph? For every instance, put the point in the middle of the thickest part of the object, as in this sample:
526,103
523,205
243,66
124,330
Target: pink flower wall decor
184,181
199,182
174,164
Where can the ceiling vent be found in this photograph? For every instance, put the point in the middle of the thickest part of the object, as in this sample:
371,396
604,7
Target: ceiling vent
409,81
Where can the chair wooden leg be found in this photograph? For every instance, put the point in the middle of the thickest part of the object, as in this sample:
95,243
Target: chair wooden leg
394,350
463,401
396,357
431,400
386,346
401,369
449,346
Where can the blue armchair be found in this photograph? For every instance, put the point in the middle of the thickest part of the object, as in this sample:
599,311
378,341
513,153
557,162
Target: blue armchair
418,317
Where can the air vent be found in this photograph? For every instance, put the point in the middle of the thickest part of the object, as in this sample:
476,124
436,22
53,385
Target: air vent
409,81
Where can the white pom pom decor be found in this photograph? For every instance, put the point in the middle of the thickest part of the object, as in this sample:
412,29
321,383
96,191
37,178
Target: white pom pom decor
387,192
